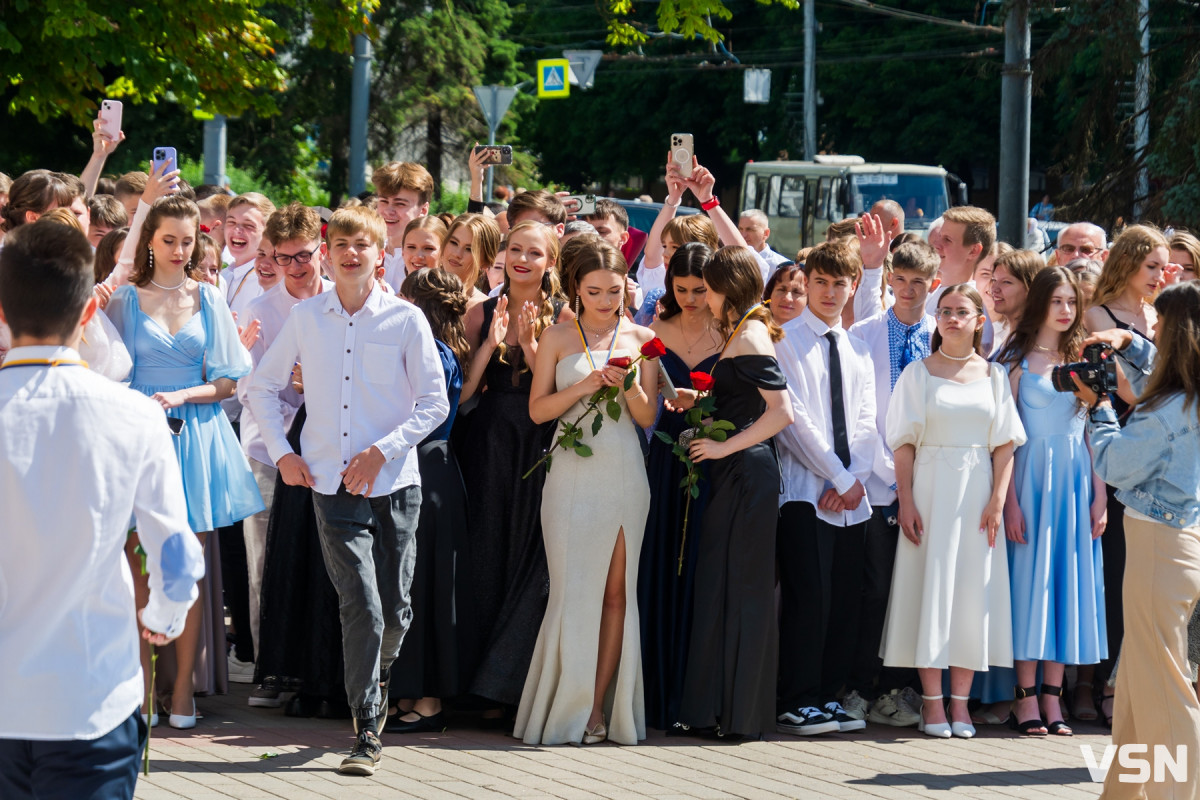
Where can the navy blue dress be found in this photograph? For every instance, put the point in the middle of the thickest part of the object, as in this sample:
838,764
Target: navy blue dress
665,593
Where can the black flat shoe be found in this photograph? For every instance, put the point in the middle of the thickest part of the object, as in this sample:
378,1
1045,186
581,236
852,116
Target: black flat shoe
434,723
302,706
328,710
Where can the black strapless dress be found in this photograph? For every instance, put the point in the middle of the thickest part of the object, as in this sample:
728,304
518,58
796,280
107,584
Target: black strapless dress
734,650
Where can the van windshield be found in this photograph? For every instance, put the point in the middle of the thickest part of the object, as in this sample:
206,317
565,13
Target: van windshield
923,197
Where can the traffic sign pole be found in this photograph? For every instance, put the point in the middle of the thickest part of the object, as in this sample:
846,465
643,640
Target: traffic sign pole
494,102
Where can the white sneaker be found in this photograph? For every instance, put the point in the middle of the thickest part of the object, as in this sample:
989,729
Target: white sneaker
240,671
855,705
890,709
806,721
910,701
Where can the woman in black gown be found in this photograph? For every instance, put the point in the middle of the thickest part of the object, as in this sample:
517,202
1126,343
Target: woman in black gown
509,575
729,686
687,328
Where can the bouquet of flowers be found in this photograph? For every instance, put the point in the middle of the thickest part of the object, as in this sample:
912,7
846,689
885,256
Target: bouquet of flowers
571,435
699,417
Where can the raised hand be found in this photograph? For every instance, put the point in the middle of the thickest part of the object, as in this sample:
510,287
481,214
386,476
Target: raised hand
525,323
499,329
872,240
701,183
162,182
676,183
103,145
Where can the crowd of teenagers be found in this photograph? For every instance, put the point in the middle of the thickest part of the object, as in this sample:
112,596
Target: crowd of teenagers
474,470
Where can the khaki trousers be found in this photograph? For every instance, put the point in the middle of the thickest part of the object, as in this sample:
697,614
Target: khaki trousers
1155,702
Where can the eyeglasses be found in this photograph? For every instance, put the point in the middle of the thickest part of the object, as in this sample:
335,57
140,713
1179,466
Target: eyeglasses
1070,250
961,313
285,260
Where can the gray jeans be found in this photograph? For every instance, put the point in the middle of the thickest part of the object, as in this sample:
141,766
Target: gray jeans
370,546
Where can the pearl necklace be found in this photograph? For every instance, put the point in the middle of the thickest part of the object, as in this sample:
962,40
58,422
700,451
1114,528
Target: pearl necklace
967,357
596,333
170,288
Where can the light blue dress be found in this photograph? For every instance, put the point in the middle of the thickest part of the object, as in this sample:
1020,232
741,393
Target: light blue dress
1057,576
217,482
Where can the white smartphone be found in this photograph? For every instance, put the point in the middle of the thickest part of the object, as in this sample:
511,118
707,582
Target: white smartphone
110,119
668,388
682,152
161,156
587,204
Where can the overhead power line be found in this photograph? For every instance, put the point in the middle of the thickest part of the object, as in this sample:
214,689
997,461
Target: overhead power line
899,13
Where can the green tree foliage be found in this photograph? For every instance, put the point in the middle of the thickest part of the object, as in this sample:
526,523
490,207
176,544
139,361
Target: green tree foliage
690,18
62,55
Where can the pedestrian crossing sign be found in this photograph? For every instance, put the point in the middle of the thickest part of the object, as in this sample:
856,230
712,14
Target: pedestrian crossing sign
552,77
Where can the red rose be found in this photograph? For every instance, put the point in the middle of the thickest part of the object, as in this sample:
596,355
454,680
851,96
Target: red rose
701,381
654,348
620,361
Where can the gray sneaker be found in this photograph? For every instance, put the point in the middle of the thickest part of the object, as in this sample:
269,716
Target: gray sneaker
267,695
855,705
363,758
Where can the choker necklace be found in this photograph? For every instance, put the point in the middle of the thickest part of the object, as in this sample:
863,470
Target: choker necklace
170,288
1044,349
967,357
595,332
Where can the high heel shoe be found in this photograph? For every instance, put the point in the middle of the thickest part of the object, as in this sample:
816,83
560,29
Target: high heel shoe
963,730
151,721
938,730
183,722
595,735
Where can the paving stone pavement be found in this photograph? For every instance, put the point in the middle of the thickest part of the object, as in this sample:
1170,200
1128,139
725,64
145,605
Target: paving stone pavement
222,758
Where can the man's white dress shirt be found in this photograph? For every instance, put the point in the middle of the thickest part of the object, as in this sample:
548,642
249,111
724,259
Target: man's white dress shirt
80,455
370,378
810,464
271,309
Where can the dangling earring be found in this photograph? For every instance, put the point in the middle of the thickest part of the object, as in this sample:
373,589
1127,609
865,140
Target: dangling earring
621,309
577,305
150,261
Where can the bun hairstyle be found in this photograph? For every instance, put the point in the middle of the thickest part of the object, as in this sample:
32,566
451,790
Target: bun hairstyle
441,298
174,207
585,254
687,262
36,191
733,272
1125,259
551,287
973,297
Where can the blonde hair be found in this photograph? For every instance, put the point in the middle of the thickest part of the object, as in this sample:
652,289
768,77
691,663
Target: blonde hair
357,219
485,241
551,287
253,199
1125,259
692,228
396,176
63,216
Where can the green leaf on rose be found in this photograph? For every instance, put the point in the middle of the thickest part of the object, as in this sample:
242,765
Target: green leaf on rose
614,410
665,437
718,436
695,490
597,421
723,425
629,376
583,450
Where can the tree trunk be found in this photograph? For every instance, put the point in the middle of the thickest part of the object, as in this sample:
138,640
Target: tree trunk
433,149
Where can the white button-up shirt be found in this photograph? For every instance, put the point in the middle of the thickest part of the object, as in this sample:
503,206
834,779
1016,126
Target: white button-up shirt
810,465
79,456
271,309
370,378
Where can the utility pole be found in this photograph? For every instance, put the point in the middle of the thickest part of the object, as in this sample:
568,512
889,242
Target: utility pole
359,103
214,151
810,80
1016,91
1141,120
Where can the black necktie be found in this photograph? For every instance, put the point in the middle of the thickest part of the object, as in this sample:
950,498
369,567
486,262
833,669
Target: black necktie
841,444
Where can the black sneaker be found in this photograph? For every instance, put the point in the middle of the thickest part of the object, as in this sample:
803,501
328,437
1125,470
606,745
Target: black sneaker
845,722
363,758
806,721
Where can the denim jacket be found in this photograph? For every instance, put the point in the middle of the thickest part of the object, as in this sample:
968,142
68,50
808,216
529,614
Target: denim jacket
1154,461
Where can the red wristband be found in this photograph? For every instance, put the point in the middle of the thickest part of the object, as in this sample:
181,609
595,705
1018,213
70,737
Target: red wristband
712,203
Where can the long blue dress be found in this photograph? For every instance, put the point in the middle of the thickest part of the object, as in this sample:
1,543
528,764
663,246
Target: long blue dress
217,482
664,592
1057,576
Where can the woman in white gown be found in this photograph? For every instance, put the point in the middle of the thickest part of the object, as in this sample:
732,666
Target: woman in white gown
587,667
952,425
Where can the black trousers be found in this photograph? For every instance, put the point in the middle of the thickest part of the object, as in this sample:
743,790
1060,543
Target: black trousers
820,582
235,582
868,676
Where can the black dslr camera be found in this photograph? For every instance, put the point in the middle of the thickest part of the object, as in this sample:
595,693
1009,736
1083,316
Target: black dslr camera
1097,371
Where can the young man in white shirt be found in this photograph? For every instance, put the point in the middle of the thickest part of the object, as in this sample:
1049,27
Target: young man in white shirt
896,338
826,457
245,220
374,388
297,256
964,239
79,456
404,190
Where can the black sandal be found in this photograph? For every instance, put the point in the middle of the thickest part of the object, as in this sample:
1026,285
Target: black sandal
1030,727
1111,699
1057,728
